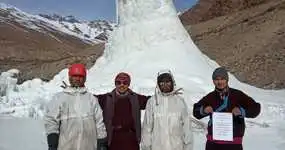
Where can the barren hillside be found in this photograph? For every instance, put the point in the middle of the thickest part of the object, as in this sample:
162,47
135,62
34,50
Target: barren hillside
250,43
41,55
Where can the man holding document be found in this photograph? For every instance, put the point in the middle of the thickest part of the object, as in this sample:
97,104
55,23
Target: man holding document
227,108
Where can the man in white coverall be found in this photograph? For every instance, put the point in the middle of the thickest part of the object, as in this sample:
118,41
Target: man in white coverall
74,120
167,123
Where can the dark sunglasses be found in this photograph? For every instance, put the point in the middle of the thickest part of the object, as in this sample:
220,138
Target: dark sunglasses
165,83
121,82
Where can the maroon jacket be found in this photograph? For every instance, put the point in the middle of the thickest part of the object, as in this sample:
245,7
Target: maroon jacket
137,103
236,98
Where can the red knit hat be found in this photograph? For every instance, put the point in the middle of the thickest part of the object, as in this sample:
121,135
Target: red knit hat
123,77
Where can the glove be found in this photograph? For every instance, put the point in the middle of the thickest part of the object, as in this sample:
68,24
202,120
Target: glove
52,140
102,144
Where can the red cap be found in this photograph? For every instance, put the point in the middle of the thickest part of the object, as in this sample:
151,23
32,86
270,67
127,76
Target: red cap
77,70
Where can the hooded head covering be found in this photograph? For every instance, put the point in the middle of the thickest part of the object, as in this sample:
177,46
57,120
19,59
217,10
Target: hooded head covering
165,75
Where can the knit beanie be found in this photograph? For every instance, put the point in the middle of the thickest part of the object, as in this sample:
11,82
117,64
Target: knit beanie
220,72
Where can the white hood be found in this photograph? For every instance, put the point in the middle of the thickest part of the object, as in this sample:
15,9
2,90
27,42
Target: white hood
175,89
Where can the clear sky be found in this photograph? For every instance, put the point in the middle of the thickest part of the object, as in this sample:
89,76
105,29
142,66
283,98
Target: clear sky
82,9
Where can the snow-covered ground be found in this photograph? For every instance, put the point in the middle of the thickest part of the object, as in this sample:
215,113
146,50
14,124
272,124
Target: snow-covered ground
22,134
149,38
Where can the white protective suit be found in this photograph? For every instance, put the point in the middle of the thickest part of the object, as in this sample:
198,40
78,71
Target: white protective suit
167,122
76,115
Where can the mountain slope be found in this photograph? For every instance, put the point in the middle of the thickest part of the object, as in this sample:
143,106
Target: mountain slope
39,47
85,30
206,10
42,55
250,43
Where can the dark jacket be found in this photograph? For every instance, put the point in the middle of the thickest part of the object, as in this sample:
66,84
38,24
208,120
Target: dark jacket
236,98
107,103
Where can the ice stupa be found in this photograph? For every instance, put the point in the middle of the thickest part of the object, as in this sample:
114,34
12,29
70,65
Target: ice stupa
150,37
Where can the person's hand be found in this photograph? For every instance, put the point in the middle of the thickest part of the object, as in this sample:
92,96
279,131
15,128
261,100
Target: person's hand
236,111
208,110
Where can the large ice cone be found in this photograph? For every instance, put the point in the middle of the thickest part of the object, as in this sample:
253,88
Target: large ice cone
151,37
